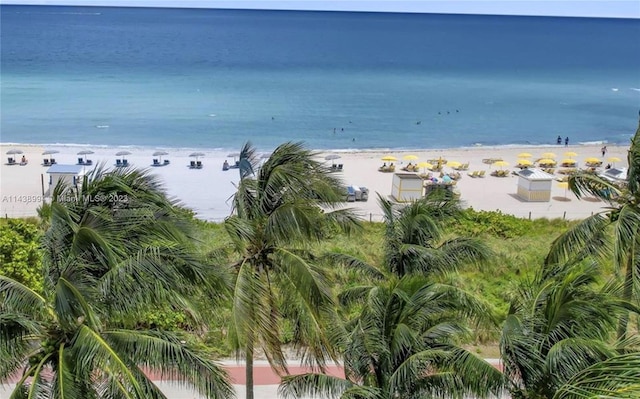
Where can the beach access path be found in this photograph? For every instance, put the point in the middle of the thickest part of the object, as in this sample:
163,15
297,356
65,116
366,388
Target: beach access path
265,380
208,190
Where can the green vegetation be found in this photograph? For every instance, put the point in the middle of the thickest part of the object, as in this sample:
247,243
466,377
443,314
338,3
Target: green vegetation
276,215
118,247
20,257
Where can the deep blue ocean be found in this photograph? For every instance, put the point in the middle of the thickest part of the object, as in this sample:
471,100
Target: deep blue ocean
193,78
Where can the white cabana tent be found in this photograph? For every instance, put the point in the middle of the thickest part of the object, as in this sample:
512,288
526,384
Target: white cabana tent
406,187
534,185
71,174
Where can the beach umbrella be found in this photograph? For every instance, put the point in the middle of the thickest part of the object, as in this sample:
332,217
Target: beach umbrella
331,157
454,164
49,152
524,162
389,158
233,155
410,157
122,153
548,155
570,154
524,155
84,153
14,152
501,164
546,161
568,160
425,166
613,160
160,154
196,155
592,160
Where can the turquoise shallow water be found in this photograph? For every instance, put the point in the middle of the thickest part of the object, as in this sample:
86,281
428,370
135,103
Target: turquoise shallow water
213,79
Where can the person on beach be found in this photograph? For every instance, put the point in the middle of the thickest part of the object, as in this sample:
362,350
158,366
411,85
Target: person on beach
559,141
604,151
24,160
566,141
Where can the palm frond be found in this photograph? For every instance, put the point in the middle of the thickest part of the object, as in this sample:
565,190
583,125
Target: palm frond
313,385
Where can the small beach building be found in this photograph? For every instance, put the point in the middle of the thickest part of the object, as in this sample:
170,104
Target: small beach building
406,187
534,185
71,174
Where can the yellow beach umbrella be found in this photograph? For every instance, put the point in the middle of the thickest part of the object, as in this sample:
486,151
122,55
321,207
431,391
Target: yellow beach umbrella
425,165
410,157
524,162
592,160
524,155
501,164
454,164
547,161
568,160
570,154
548,155
613,160
389,158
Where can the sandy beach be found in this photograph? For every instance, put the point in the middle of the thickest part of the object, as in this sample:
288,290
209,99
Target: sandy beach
207,190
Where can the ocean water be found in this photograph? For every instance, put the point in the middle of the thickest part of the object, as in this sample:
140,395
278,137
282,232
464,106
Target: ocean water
186,78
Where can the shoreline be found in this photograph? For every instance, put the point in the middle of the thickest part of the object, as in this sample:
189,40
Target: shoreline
207,191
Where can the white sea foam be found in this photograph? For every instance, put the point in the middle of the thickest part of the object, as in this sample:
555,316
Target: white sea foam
635,89
614,89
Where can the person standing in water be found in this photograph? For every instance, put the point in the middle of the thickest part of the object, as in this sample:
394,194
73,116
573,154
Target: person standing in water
566,141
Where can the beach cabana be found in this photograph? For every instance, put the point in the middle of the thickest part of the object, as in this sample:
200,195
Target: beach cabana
534,185
70,174
406,187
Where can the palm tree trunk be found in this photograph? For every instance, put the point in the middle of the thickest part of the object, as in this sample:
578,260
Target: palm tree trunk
249,365
626,295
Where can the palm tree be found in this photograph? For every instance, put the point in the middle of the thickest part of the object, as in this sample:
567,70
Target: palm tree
278,209
414,239
116,247
403,344
555,341
613,233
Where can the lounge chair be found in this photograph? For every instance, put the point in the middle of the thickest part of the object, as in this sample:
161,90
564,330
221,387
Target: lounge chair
156,162
340,167
125,162
481,173
11,161
473,174
45,162
88,162
52,161
80,161
118,163
198,164
192,165
166,162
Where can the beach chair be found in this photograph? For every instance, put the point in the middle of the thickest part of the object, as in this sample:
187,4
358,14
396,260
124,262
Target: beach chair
80,161
88,162
125,163
481,173
198,164
167,162
473,174
118,163
45,162
156,162
11,161
53,161
340,167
